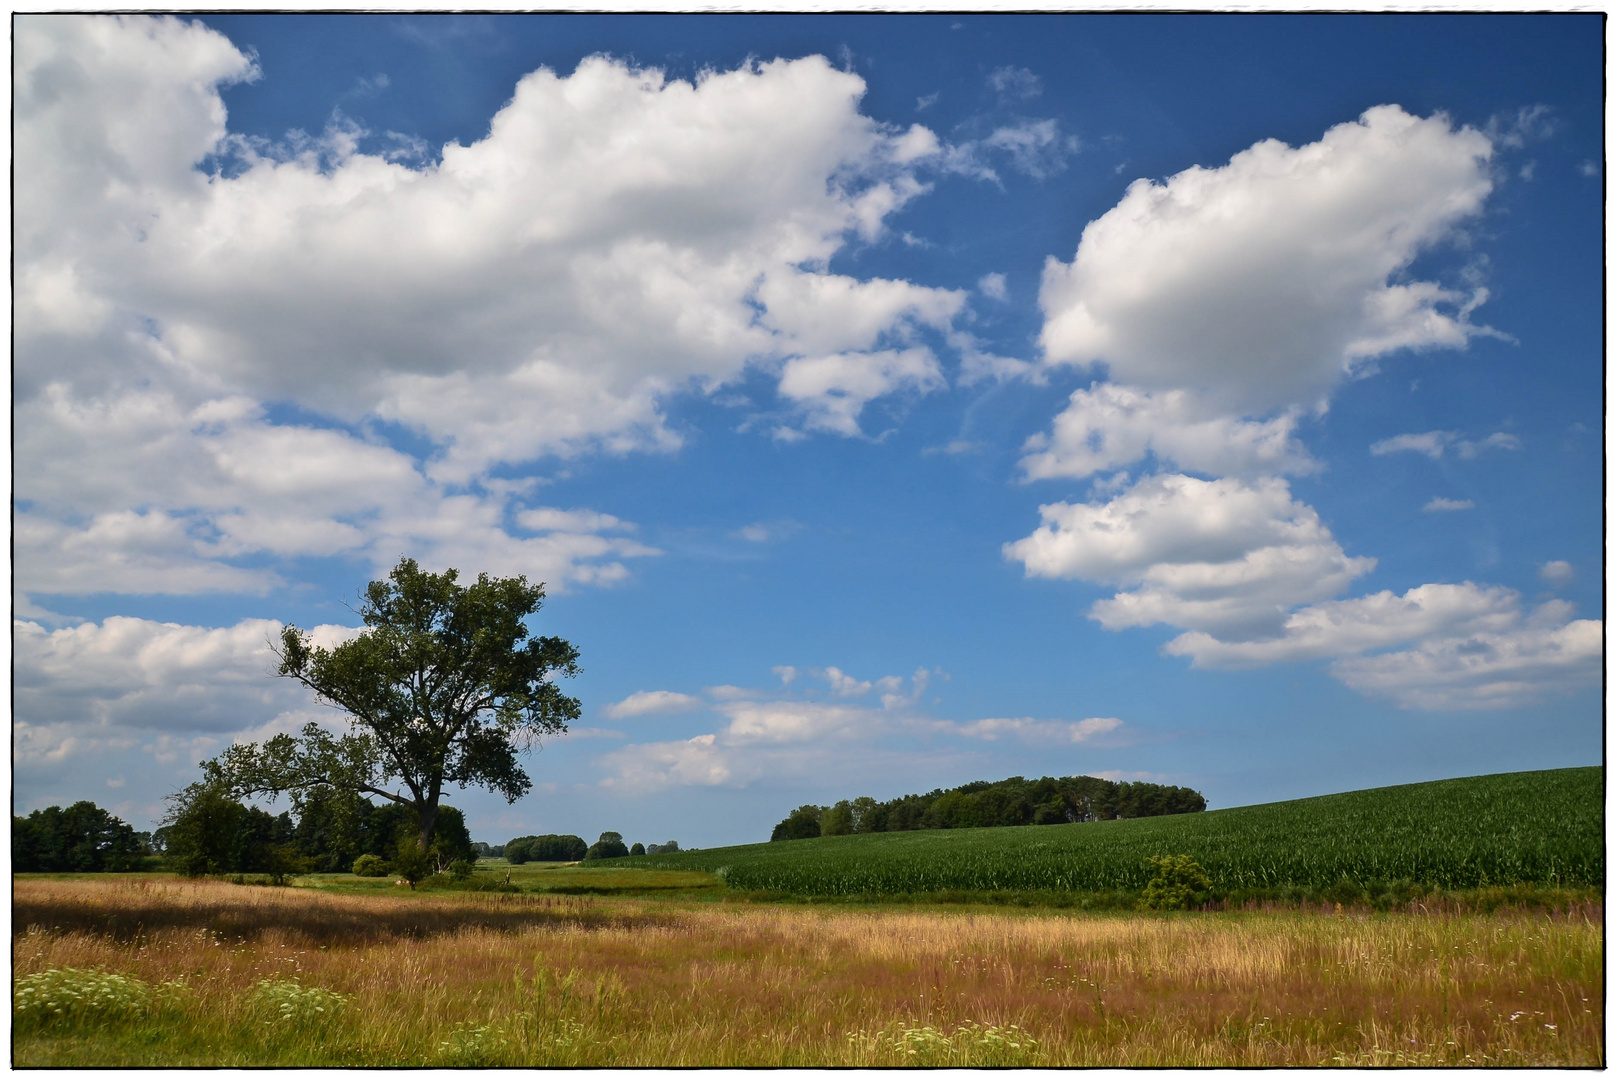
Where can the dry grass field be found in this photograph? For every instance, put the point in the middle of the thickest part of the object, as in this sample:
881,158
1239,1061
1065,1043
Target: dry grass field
220,974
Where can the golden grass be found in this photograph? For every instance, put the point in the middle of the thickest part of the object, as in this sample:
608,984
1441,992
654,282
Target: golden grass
522,980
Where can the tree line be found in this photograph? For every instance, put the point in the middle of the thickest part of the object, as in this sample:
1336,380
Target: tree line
207,832
326,831
983,804
80,839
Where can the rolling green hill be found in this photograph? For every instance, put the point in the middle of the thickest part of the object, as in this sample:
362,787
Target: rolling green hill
1541,828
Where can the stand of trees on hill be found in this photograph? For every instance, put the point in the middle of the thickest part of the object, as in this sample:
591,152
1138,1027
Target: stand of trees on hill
981,804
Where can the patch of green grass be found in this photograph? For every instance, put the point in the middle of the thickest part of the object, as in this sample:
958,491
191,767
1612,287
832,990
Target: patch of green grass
489,876
1542,829
562,879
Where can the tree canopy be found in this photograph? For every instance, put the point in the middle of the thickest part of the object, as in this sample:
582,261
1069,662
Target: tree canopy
609,846
548,848
81,838
980,804
444,685
208,832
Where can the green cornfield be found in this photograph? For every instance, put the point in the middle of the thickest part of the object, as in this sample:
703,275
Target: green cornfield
1539,828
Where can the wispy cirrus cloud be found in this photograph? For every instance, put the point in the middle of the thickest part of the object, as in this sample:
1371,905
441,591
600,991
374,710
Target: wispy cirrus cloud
765,735
1434,444
1028,730
651,702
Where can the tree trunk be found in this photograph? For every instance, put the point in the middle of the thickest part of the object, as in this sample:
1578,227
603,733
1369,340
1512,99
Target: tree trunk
429,821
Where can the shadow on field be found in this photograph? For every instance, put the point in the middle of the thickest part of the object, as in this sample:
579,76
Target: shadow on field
244,912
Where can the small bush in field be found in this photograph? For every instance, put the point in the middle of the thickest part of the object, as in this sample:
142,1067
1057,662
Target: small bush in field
564,1038
474,1046
1178,882
287,1001
370,866
413,863
926,1045
460,870
971,1044
75,996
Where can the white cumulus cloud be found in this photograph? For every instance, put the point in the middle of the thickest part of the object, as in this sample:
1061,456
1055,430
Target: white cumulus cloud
1109,426
130,675
1468,646
1227,556
1483,670
101,698
1265,281
1377,621
1224,303
616,237
1557,572
833,390
648,702
844,685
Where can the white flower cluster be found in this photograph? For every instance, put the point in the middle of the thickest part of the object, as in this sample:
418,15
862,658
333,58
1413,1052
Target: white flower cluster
287,1001
77,996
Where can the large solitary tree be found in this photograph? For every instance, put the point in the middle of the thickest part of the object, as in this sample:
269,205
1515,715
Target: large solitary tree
445,685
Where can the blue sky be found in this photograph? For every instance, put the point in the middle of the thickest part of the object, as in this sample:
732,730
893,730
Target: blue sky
888,401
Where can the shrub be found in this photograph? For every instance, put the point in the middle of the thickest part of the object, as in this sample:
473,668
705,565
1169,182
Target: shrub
971,1045
75,996
412,863
1178,882
474,1046
460,870
370,866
